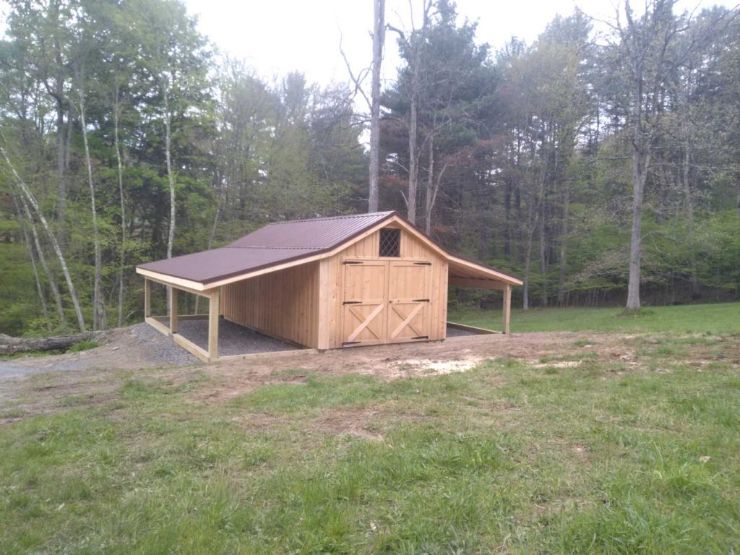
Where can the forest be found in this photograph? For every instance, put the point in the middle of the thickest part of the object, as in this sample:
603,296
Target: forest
600,163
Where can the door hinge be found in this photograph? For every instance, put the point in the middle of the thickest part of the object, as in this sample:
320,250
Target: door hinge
346,343
420,301
352,302
421,337
423,263
354,262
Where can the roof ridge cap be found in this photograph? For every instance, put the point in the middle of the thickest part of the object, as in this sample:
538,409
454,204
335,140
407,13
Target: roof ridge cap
340,217
231,246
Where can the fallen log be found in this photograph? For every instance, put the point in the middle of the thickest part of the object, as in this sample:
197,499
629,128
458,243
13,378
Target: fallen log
10,345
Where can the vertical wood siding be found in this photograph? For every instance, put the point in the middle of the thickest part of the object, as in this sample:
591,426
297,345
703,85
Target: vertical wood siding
368,249
282,304
304,304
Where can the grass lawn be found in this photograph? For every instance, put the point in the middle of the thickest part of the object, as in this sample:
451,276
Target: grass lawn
698,318
574,453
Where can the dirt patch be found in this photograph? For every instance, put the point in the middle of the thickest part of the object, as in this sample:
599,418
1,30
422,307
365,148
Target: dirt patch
388,362
426,367
361,424
558,364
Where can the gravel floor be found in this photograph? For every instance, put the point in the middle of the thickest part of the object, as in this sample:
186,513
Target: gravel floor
233,339
457,332
160,348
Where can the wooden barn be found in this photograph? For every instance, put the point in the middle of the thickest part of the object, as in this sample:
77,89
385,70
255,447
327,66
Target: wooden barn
324,283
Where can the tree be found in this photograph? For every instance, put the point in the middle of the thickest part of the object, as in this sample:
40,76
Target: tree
33,203
378,40
411,48
644,42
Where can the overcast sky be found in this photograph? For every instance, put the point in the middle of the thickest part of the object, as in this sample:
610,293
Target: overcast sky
279,36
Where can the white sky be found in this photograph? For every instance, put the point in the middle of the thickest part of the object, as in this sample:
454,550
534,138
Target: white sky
275,37
278,36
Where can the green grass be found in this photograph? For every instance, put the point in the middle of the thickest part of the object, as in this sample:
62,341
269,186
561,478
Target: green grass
509,457
84,345
700,318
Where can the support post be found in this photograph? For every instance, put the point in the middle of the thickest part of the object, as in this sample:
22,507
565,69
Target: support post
214,311
507,309
147,298
172,303
325,305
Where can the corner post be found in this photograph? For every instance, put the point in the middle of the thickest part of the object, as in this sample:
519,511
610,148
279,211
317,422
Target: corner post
172,303
325,306
507,309
214,311
147,298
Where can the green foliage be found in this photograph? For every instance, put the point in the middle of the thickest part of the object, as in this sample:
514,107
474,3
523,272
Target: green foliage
17,293
83,346
261,153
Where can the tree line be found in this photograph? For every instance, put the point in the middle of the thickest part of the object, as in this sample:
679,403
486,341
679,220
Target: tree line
125,137
599,163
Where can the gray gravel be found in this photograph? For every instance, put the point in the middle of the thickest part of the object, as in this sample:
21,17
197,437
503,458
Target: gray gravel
160,348
233,339
457,332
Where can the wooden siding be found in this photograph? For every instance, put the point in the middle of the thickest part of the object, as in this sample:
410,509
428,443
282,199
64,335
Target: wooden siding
412,249
282,304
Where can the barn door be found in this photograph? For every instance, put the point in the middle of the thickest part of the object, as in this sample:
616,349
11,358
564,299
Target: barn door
364,316
409,300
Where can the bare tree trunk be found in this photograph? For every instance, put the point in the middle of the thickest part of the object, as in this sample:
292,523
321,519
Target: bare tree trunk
170,175
378,40
532,217
527,264
543,245
44,265
430,189
98,308
639,170
686,183
645,44
61,208
52,238
62,131
413,155
32,256
211,237
507,217
413,110
122,200
10,345
563,244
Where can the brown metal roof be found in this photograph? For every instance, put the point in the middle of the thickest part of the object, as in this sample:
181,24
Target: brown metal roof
271,245
283,242
215,264
317,233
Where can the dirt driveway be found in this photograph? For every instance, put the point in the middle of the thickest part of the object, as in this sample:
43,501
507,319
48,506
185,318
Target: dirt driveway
40,384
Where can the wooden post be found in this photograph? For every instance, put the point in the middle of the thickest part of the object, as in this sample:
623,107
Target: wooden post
214,310
325,305
147,298
172,302
507,309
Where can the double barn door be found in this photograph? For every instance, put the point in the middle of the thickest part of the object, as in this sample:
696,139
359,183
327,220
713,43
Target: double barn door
385,301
